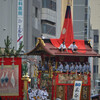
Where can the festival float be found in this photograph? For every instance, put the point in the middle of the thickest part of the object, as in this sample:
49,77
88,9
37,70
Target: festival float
61,84
11,83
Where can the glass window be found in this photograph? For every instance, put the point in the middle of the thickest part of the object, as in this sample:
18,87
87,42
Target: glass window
53,5
44,3
35,40
86,2
49,4
44,28
95,69
98,83
48,29
96,39
86,17
96,51
36,12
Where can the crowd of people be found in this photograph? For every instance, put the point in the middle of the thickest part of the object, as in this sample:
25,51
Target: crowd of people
74,67
67,67
38,94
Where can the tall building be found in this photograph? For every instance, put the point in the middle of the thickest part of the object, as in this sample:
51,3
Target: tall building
51,18
32,23
39,17
95,32
26,20
80,19
8,22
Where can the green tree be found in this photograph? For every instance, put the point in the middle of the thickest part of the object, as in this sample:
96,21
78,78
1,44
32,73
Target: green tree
7,46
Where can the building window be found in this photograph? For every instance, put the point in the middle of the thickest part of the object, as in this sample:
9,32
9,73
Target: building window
98,83
86,2
35,40
96,51
36,12
96,39
95,69
86,17
48,29
51,4
85,28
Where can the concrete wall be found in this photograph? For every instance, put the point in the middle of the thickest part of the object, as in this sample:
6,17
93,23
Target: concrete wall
32,24
8,20
53,17
58,20
78,18
95,22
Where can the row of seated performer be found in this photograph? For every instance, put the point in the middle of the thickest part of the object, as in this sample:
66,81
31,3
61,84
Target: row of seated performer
67,67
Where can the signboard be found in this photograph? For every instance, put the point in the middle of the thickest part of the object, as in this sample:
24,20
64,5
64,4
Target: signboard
9,85
77,90
20,21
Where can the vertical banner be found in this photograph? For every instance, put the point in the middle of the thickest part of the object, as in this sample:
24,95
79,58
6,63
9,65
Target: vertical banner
77,90
20,22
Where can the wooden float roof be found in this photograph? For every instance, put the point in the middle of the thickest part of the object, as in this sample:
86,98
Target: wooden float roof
45,47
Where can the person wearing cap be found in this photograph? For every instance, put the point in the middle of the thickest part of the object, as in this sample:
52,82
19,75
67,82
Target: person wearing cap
73,47
72,69
84,68
31,95
34,95
80,67
63,47
76,67
38,94
39,65
46,65
60,67
43,67
67,67
44,93
53,66
88,67
29,90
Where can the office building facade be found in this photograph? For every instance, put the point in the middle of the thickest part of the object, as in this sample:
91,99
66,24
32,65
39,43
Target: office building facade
8,22
81,19
40,17
95,32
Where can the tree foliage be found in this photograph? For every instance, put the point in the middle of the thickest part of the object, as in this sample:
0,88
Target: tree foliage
8,51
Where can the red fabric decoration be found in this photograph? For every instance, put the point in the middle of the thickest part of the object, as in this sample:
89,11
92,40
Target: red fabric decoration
67,31
81,46
67,34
